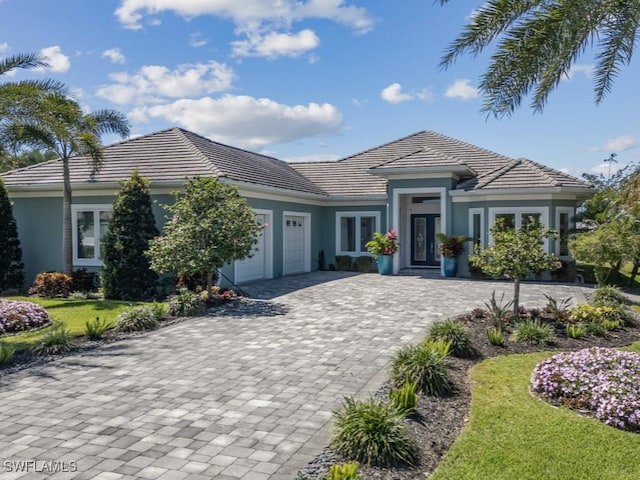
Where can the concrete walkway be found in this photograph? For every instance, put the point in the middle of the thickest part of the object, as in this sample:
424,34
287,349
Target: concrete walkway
247,394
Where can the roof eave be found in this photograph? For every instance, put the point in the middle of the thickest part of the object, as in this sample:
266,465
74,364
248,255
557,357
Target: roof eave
585,192
460,170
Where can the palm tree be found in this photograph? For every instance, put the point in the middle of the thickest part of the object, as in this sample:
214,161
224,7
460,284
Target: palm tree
63,128
20,100
537,43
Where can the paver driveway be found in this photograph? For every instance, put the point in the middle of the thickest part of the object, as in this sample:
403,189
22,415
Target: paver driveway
244,395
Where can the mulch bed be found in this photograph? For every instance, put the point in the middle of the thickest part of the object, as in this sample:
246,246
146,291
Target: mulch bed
439,420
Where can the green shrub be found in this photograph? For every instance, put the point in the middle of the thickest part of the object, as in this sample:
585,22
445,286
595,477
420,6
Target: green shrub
136,318
499,313
591,313
185,303
345,471
404,399
575,330
596,328
495,336
559,309
51,285
609,325
159,310
84,281
532,332
365,264
6,352
606,295
373,432
95,329
344,263
57,340
457,334
422,365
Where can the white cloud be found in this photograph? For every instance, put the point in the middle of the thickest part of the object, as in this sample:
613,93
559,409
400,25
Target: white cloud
585,69
58,61
603,168
246,121
248,12
114,54
393,94
462,89
275,44
197,40
620,144
153,82
327,157
4,47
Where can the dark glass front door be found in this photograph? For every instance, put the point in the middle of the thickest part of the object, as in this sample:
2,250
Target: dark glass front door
425,248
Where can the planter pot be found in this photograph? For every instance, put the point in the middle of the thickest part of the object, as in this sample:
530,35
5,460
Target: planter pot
450,267
385,264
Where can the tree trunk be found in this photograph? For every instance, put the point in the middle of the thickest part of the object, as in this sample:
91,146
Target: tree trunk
67,246
634,273
516,299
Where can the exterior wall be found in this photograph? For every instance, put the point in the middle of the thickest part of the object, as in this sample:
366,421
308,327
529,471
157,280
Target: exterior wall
460,220
329,234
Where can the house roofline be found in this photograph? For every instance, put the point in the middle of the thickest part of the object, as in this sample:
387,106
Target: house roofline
460,170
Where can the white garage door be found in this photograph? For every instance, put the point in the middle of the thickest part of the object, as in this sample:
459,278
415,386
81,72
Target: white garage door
294,254
255,267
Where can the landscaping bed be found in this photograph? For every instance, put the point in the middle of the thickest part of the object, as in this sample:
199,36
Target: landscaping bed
439,420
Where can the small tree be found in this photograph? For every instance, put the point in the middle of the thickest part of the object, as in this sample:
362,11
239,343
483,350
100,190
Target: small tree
516,254
210,226
11,266
127,273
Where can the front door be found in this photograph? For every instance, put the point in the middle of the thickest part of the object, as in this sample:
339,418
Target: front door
425,248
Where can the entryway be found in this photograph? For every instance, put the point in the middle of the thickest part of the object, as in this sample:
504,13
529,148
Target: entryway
425,248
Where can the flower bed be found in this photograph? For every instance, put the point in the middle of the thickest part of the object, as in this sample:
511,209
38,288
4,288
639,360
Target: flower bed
17,316
602,381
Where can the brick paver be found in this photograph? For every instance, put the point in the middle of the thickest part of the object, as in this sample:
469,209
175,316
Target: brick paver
244,395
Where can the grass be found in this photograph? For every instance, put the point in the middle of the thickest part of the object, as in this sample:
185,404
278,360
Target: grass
73,314
621,278
512,434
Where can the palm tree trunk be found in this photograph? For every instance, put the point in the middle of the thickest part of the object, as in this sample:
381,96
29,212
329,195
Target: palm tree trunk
67,246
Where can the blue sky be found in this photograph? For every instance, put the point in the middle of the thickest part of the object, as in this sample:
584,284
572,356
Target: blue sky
308,79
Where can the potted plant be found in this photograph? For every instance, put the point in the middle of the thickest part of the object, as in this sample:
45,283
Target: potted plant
451,247
383,247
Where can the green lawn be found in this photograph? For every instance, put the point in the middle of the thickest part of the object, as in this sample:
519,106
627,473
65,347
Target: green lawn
621,278
512,435
70,312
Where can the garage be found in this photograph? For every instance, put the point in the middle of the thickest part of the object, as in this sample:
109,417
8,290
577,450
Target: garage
258,266
295,234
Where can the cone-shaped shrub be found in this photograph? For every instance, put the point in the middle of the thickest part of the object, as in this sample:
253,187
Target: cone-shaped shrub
11,266
127,274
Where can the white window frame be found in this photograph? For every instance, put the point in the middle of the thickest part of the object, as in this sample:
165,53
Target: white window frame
472,213
357,215
572,213
518,211
96,209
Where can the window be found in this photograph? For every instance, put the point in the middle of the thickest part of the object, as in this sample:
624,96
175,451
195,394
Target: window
90,223
476,228
516,217
564,225
354,230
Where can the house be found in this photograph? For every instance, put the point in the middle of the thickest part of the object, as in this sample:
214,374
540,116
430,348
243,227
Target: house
420,184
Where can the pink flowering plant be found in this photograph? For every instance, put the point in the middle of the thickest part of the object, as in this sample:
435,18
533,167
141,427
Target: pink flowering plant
383,243
17,316
601,381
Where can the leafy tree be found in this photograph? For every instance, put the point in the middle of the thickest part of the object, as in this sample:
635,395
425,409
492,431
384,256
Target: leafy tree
516,254
606,247
11,266
62,127
24,159
210,225
127,273
538,41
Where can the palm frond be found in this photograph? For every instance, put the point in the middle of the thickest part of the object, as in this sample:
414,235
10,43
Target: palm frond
89,145
23,61
108,121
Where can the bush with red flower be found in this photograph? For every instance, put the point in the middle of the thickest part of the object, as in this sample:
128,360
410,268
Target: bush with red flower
383,243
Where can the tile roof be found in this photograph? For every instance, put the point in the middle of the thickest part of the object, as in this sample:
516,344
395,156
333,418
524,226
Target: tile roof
171,155
175,154
350,177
